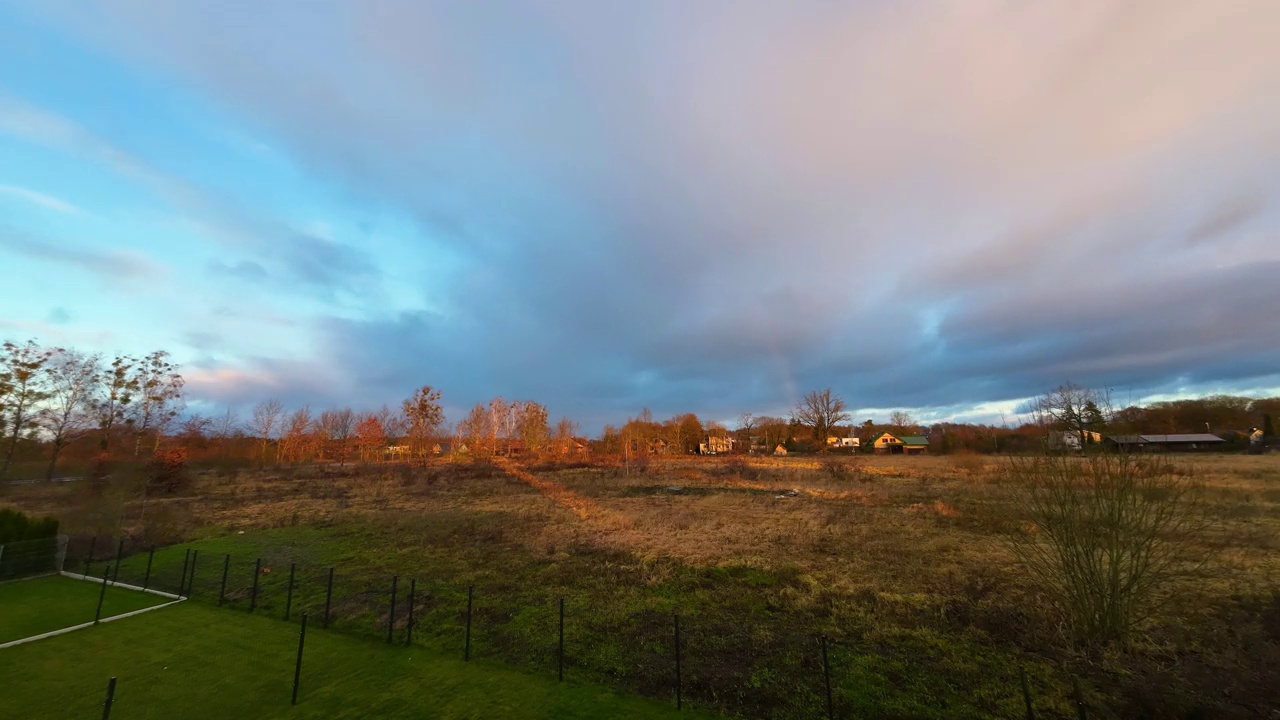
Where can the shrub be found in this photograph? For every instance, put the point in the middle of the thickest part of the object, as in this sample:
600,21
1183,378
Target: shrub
169,470
1106,534
15,527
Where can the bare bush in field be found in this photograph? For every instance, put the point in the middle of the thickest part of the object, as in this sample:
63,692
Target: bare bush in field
1106,534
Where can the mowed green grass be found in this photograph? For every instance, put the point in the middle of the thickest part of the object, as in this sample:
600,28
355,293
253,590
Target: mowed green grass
194,661
40,605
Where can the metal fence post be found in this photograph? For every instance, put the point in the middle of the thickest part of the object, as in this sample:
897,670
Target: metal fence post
111,697
408,631
466,651
297,669
391,623
226,565
115,574
560,654
191,578
186,559
328,595
151,556
253,596
1026,694
1082,710
288,603
102,596
826,674
679,700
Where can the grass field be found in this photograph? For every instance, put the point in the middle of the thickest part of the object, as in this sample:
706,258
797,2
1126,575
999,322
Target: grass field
40,605
900,561
194,661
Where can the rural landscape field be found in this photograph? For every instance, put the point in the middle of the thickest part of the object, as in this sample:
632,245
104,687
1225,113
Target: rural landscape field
803,360
902,563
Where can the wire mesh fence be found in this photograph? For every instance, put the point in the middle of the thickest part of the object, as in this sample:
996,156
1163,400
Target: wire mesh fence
760,667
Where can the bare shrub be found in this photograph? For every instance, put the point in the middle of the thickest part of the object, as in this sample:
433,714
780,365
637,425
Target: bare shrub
1105,535
168,470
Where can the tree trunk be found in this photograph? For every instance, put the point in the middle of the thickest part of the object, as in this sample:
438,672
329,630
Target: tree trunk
53,460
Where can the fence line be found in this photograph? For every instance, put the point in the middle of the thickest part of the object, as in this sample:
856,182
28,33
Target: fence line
441,615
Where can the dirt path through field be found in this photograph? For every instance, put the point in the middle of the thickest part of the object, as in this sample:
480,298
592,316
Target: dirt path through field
585,508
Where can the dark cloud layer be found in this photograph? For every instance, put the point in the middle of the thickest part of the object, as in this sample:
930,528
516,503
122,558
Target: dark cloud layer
717,206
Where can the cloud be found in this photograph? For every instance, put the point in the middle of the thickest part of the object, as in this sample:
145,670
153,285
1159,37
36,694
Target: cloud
111,265
46,201
719,206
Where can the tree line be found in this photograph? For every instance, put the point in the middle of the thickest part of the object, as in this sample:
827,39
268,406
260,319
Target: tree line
57,396
53,398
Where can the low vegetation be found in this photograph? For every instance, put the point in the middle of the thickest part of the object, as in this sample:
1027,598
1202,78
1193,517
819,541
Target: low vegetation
905,564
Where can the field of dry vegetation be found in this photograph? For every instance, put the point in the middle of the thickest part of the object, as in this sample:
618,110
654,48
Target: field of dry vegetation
902,561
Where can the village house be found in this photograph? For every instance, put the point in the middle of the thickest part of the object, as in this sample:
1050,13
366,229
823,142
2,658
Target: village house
1070,439
889,444
843,442
715,445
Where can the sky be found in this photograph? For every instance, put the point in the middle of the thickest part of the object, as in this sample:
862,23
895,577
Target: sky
712,207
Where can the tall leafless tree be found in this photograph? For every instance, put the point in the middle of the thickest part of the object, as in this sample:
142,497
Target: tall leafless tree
67,415
266,420
822,411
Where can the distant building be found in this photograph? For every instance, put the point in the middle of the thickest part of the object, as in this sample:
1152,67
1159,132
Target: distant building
715,445
1166,443
1070,439
843,442
780,450
890,444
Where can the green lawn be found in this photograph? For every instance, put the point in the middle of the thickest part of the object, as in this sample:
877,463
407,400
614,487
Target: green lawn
196,661
31,607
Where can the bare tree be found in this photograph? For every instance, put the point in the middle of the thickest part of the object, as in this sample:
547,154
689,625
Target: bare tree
474,428
566,430
116,390
394,424
67,416
266,419
901,421
22,388
499,426
821,411
1073,408
296,441
159,388
338,426
531,425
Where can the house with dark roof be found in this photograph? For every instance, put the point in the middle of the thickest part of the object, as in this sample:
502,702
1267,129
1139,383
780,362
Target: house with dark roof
889,444
1185,442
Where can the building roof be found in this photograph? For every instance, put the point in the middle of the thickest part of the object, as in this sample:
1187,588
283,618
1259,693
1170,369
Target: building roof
1161,439
915,440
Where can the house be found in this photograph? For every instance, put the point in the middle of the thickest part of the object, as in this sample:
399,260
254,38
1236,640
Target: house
1070,439
843,442
715,445
572,446
1166,443
890,444
780,450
